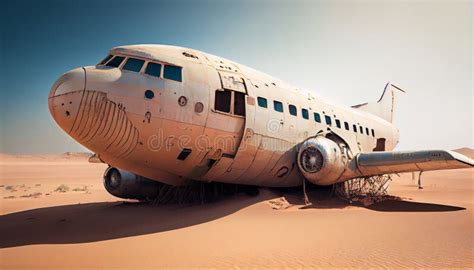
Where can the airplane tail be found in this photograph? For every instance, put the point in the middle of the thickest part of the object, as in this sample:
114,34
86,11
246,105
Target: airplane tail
384,107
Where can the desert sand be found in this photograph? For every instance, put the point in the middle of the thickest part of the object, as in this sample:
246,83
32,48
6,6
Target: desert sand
54,213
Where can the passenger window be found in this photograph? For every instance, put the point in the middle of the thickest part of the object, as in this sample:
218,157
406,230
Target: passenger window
116,61
373,133
317,117
361,129
133,64
346,125
239,103
338,123
367,131
222,101
354,127
106,59
328,119
305,113
172,73
262,102
278,106
153,69
292,109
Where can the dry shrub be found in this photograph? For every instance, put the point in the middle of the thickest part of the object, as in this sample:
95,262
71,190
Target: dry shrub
83,188
62,188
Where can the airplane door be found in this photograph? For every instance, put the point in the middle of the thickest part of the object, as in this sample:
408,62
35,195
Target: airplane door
230,170
226,120
225,123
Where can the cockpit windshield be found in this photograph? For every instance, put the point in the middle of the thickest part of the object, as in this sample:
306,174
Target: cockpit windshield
152,68
115,62
106,59
133,64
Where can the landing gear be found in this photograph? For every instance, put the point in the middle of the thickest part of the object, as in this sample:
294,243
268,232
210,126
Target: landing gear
305,196
199,193
419,180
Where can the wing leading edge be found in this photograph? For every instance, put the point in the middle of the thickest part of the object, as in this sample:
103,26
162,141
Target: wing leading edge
377,163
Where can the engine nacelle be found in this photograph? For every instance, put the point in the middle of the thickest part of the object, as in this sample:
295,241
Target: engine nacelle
127,185
321,161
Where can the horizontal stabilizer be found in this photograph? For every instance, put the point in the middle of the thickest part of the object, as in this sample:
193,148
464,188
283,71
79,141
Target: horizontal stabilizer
377,163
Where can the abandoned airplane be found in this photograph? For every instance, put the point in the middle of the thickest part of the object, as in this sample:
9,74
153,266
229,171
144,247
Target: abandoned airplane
175,115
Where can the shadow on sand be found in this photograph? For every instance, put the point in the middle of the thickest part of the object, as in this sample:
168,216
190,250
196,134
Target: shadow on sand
388,205
322,198
92,222
409,206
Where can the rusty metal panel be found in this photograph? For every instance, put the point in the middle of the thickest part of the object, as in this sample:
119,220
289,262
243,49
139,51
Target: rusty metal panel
216,172
260,161
244,157
232,81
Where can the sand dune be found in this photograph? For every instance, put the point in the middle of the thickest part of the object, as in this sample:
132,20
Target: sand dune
68,156
85,227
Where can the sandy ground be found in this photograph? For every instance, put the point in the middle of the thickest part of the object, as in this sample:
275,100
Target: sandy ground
85,227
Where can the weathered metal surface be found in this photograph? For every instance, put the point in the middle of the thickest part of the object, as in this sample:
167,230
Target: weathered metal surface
106,110
384,107
321,160
232,81
102,124
406,161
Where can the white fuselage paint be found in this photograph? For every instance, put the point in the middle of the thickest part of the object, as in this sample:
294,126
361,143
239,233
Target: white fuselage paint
105,109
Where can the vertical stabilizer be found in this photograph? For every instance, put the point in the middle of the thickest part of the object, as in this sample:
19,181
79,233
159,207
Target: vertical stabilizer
384,107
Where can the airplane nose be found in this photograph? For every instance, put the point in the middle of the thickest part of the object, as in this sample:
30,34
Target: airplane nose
70,81
65,97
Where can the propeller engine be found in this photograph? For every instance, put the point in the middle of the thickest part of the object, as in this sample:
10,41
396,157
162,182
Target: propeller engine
127,185
322,161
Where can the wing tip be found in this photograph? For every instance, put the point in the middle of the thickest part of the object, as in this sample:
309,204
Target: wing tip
461,158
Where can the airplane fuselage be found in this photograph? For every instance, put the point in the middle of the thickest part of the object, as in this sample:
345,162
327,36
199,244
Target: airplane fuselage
175,114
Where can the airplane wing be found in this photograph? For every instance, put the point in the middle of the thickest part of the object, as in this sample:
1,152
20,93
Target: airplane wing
95,159
377,163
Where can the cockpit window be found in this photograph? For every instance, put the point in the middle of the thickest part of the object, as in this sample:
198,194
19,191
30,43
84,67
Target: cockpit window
153,69
116,61
172,73
133,64
106,59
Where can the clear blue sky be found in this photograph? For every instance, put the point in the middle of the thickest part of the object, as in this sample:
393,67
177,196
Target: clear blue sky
342,50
